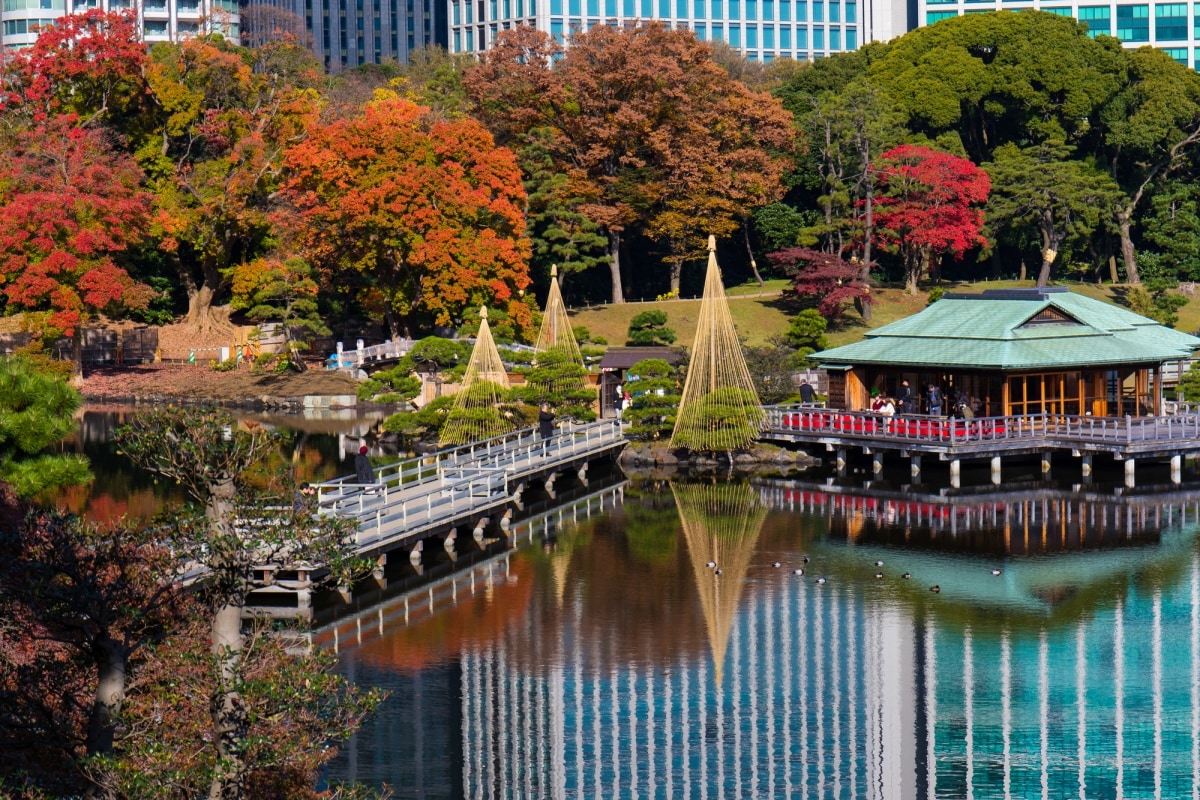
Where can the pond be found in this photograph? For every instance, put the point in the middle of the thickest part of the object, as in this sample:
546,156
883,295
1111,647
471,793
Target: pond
663,644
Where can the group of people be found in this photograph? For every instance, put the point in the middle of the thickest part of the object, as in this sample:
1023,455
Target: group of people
935,401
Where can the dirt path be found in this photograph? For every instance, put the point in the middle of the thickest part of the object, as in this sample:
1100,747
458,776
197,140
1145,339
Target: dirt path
202,383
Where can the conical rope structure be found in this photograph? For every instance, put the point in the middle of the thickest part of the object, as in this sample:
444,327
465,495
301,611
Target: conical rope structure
563,372
476,413
720,410
721,523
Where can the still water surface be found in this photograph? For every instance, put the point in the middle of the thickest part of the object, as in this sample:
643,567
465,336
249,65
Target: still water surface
606,659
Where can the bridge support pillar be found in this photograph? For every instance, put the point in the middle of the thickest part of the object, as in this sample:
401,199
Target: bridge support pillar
916,468
481,527
841,462
877,462
956,472
1176,468
996,470
1130,466
414,555
549,484
451,543
343,590
516,499
1047,462
581,473
377,571
1085,465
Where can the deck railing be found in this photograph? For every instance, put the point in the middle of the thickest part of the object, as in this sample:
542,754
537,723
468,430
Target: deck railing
1026,427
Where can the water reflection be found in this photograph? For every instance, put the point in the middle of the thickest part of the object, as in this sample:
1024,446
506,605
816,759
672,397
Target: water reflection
321,446
628,668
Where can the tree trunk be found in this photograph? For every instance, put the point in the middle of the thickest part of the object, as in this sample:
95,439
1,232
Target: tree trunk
997,266
201,298
750,253
228,710
230,721
110,694
1128,253
676,270
614,266
1112,269
77,353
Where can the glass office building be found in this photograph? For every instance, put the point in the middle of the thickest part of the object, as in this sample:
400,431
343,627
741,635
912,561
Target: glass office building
159,20
763,30
1173,28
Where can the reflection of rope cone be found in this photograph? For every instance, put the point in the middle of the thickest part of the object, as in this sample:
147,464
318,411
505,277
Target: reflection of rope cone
476,413
720,409
560,563
721,523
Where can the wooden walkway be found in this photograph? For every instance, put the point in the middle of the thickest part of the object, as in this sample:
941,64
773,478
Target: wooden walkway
468,487
1125,439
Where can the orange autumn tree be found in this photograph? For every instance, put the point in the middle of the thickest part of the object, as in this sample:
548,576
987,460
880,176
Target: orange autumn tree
425,214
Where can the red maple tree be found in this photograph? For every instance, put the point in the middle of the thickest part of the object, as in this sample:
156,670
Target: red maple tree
929,205
824,278
68,205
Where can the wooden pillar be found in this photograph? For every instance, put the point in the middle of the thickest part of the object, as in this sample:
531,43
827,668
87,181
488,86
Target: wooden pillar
955,473
1176,468
841,462
1085,465
916,467
1129,472
996,470
877,462
1047,462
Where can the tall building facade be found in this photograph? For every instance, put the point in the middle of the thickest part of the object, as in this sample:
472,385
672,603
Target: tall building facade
159,20
763,30
350,33
1171,27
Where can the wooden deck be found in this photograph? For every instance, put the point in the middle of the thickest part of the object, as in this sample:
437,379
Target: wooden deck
1124,439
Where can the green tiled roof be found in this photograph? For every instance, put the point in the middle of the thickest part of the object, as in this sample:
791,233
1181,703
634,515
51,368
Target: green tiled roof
994,331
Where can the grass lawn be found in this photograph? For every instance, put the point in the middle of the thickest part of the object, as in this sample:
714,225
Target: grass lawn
757,319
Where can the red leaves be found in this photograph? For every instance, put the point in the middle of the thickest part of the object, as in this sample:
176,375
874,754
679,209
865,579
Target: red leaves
68,203
828,279
930,200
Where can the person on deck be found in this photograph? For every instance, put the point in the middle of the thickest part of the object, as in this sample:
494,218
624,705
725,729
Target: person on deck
806,393
363,471
936,400
545,421
907,400
304,501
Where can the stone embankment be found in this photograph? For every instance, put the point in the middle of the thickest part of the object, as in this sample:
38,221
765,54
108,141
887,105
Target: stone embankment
642,455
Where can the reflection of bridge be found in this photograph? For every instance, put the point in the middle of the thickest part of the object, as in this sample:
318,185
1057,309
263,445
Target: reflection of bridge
954,440
466,488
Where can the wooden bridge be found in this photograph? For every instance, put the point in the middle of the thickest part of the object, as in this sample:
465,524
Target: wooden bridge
1125,439
463,489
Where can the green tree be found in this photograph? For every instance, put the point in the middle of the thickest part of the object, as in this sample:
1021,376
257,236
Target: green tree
1040,188
724,420
556,379
36,411
283,291
654,386
1172,227
649,329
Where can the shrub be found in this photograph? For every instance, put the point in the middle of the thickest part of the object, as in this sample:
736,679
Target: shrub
649,328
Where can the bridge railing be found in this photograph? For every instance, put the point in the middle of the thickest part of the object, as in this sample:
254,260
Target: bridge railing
1026,427
454,497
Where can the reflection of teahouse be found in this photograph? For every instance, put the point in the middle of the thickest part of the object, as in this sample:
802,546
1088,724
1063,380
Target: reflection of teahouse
1015,351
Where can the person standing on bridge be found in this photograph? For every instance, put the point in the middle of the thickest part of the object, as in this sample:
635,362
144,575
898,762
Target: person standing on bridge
545,421
363,471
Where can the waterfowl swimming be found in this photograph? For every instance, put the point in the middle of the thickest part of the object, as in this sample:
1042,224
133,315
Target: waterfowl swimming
820,580
935,588
711,564
996,572
777,565
878,574
879,563
906,575
806,559
798,571
718,572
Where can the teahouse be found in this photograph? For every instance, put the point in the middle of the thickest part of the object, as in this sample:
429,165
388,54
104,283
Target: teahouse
1014,352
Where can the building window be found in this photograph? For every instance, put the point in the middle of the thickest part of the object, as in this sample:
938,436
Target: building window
1062,12
702,32
681,9
851,39
937,16
1133,23
698,9
769,37
1171,23
751,37
735,35
751,9
735,9
785,10
1098,19
1177,53
785,37
835,38
818,38
801,11
801,38
718,11
818,7
851,12
718,33
835,12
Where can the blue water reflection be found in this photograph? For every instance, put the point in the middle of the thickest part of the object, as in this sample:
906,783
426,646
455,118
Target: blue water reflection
611,661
